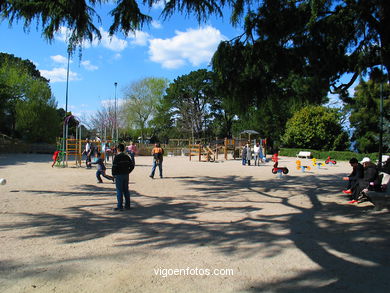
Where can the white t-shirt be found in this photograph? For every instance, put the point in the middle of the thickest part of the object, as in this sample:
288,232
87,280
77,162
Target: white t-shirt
256,149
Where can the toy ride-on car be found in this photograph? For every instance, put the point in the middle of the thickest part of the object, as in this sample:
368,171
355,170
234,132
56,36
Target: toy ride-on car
277,169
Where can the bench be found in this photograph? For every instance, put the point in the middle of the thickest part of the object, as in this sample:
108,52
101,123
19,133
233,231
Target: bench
380,199
304,154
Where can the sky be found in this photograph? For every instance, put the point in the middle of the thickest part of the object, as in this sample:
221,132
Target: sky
165,49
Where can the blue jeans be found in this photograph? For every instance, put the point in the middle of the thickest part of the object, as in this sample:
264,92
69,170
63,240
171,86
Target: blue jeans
103,173
132,157
155,163
122,189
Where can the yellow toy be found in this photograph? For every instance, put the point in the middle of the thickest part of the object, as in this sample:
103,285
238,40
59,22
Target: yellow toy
318,164
303,168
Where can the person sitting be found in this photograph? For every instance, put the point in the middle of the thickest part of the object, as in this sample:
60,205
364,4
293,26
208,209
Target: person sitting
357,173
370,175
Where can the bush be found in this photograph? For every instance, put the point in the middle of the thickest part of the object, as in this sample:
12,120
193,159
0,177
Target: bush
323,155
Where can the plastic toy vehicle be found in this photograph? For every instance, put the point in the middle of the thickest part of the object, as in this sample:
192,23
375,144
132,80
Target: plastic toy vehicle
277,169
329,160
301,167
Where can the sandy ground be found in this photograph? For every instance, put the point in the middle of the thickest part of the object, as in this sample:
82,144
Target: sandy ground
259,233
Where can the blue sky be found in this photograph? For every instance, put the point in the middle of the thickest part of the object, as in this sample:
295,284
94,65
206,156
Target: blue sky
166,49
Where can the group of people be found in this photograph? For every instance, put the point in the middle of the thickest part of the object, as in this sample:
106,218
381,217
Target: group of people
365,175
122,165
257,154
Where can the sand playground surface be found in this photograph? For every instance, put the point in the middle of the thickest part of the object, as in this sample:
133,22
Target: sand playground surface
205,227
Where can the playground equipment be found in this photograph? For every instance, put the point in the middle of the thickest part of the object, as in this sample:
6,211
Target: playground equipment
302,167
330,161
277,169
318,164
204,153
211,151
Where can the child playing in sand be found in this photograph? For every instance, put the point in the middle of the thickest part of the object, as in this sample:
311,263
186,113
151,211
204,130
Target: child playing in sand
101,168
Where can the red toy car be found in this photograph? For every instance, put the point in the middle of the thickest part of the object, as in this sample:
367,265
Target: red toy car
277,169
329,160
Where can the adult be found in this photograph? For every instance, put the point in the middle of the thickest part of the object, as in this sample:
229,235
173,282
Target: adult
353,178
370,175
132,150
88,153
244,152
257,151
248,154
121,168
158,155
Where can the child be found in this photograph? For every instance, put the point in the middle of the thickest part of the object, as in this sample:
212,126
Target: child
101,168
55,156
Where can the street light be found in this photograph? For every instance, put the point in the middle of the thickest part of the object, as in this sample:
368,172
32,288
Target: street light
116,122
65,128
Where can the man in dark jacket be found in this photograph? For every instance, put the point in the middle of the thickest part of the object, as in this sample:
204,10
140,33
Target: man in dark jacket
370,176
353,178
121,168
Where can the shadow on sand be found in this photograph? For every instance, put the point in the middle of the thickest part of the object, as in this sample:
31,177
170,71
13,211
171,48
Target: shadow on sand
351,258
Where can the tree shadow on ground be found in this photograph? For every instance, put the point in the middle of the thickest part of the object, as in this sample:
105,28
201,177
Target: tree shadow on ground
351,257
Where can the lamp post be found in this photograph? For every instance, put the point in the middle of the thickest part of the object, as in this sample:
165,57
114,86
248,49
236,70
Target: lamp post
115,122
65,128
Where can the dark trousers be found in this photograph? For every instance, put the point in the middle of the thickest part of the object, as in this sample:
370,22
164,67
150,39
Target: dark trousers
103,173
358,188
122,190
155,163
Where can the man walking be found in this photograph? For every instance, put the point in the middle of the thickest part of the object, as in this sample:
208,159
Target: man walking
158,154
121,168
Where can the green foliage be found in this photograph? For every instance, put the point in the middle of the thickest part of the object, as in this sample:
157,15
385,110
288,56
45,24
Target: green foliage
323,155
142,100
364,116
315,127
82,21
27,109
189,98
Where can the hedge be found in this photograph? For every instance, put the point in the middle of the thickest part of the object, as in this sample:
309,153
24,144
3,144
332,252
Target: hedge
336,155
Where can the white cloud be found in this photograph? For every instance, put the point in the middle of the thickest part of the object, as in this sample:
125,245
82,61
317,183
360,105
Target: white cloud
60,59
59,75
112,43
195,46
159,4
140,38
117,56
156,24
62,34
88,66
111,103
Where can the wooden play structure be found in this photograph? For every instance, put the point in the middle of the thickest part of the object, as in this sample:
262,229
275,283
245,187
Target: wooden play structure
211,151
74,147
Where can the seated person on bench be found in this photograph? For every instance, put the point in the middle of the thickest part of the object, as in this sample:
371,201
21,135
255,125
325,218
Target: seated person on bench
357,173
370,175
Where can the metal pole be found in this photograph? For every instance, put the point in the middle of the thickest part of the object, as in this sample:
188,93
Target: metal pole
116,122
381,112
65,129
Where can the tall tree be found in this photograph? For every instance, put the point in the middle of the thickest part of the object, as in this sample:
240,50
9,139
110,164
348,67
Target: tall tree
141,100
103,121
365,113
26,101
190,96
